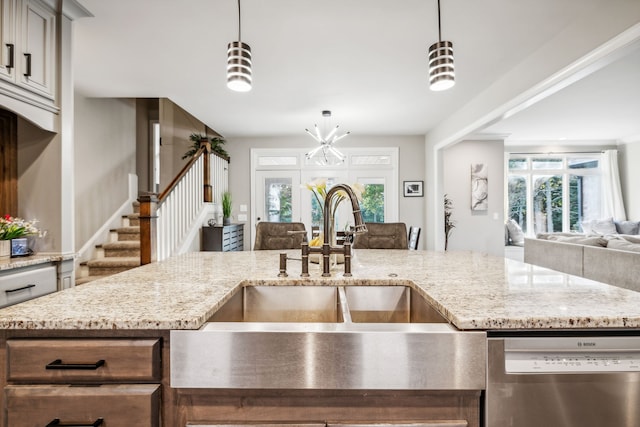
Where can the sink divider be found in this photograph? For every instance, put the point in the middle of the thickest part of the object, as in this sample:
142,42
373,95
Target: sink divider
344,305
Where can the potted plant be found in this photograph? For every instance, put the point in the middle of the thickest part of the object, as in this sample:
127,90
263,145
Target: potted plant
216,145
13,229
449,225
226,208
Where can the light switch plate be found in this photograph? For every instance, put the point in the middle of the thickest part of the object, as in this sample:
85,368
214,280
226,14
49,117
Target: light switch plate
243,208
242,217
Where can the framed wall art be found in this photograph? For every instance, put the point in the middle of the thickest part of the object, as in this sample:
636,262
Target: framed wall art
479,187
413,188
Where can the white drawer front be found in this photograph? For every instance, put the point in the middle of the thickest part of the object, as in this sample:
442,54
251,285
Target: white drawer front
25,285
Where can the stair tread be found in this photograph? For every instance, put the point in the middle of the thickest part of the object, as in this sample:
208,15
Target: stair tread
131,229
115,262
122,244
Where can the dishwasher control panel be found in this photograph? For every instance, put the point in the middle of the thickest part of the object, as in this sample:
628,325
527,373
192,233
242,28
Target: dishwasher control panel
571,355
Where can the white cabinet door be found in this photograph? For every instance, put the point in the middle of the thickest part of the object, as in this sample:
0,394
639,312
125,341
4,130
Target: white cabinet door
8,39
37,53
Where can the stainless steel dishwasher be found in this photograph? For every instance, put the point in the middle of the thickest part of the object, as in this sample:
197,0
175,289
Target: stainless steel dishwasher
586,379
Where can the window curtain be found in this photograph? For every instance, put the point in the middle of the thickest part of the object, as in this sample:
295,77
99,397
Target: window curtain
613,205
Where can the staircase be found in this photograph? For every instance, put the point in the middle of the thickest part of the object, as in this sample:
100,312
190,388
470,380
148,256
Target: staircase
121,253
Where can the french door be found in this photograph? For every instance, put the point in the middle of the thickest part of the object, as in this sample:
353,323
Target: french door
277,197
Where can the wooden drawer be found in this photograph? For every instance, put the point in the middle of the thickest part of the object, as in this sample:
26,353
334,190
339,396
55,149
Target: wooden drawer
69,360
27,284
117,405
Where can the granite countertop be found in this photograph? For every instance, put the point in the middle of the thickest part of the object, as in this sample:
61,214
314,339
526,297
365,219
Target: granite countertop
474,291
7,264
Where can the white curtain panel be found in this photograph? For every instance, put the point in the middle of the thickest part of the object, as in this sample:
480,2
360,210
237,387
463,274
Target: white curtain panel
613,203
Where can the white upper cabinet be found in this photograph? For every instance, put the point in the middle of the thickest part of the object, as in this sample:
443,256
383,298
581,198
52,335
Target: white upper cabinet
7,38
28,49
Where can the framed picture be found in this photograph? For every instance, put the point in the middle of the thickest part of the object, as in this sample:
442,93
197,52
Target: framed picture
413,188
19,247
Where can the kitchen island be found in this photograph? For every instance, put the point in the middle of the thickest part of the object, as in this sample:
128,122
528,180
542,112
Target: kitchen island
129,316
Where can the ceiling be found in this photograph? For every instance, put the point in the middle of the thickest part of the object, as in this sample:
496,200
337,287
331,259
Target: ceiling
363,59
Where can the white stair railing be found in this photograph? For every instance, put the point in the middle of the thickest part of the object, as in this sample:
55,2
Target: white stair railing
170,222
179,210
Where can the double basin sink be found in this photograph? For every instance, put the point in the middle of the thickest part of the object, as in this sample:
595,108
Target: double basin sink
328,337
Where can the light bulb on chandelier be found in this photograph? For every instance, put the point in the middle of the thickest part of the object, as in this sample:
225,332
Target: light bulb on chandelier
326,154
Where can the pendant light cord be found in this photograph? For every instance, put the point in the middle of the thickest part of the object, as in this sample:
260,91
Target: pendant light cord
240,21
439,30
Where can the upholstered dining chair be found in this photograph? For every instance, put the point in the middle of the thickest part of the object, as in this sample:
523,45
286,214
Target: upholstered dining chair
387,235
275,235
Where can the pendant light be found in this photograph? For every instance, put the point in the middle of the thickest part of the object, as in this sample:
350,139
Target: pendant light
326,154
239,62
441,70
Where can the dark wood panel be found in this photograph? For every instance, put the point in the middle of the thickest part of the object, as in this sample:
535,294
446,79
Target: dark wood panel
8,163
233,406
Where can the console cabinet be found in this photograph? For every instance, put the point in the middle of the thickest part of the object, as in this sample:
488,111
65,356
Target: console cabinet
225,238
26,283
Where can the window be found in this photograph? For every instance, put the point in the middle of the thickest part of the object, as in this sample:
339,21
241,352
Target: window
279,194
553,193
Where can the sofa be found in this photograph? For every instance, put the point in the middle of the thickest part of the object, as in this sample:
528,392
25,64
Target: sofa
612,258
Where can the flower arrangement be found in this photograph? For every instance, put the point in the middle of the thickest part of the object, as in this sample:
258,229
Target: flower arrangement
319,189
14,228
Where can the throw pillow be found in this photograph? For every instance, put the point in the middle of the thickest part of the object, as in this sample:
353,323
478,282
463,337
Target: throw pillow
603,226
631,239
515,233
586,227
627,227
623,245
580,240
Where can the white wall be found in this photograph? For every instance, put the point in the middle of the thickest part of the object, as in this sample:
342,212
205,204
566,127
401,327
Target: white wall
480,231
105,155
629,159
411,168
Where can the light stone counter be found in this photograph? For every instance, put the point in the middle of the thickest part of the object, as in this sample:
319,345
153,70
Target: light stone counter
7,264
473,291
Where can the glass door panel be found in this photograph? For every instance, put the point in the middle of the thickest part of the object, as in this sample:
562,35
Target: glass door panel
547,203
277,197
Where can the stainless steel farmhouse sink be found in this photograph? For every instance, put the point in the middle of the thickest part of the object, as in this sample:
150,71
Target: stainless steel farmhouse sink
328,337
328,304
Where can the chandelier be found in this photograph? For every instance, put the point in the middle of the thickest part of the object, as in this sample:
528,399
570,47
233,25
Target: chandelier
326,154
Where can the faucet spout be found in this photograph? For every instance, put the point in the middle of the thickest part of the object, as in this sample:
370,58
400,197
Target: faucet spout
333,196
334,193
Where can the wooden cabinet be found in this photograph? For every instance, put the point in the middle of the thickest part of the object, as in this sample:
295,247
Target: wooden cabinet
26,283
28,39
223,238
114,405
112,382
92,360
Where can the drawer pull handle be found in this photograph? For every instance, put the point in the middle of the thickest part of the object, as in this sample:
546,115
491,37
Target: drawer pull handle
11,55
28,58
20,289
57,364
58,423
